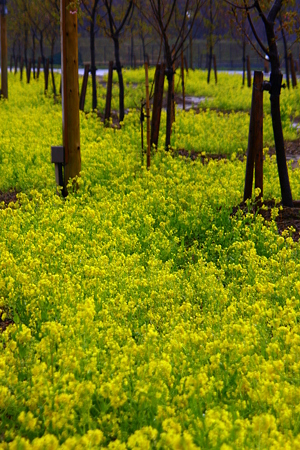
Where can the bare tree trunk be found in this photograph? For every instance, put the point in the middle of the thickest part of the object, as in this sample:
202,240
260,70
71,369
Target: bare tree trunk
210,41
286,56
25,46
93,61
131,50
287,200
33,54
144,47
52,71
191,50
170,76
210,56
41,40
275,90
120,77
244,59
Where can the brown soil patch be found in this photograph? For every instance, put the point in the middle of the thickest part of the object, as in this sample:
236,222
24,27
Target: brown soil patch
4,324
287,217
193,155
8,197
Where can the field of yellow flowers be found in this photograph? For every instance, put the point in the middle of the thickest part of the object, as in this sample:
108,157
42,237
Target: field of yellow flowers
145,316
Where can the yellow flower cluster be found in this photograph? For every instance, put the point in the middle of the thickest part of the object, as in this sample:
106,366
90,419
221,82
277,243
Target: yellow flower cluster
145,316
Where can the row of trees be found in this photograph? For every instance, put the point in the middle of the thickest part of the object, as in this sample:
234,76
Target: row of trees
173,21
34,25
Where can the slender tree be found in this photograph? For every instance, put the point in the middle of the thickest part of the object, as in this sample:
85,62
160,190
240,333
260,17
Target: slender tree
214,13
167,16
240,31
91,11
268,16
38,20
114,19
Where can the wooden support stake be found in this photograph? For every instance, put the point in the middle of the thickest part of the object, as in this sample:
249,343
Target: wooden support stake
108,93
147,115
157,103
84,87
3,25
248,71
215,68
182,80
255,140
293,72
70,92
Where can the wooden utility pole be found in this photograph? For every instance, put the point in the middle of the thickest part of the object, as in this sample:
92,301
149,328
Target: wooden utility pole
255,141
70,92
3,25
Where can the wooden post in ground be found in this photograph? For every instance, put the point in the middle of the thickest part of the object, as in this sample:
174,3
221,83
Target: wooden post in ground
108,92
248,71
84,86
255,140
293,72
182,80
157,103
215,68
3,26
70,92
147,115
